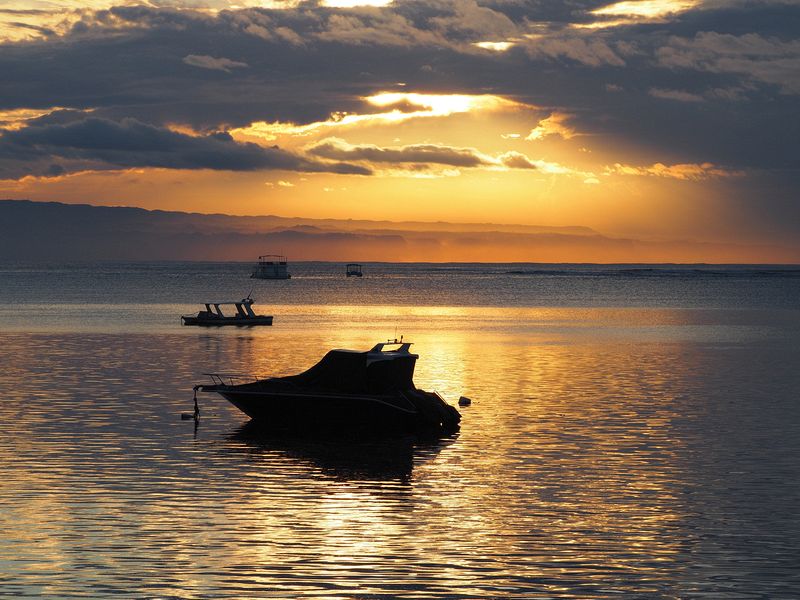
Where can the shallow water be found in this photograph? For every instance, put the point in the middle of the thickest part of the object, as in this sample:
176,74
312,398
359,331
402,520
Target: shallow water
613,448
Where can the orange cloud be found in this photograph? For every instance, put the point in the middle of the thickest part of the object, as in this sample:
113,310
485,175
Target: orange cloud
552,125
685,171
401,106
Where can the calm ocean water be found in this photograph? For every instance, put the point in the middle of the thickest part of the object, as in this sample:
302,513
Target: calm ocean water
634,432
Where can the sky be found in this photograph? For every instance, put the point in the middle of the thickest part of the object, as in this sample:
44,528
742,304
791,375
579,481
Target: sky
671,122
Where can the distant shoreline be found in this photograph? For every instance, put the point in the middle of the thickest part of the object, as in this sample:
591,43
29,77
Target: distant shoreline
42,231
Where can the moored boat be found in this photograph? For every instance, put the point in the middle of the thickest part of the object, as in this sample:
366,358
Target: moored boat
213,315
347,389
353,270
271,266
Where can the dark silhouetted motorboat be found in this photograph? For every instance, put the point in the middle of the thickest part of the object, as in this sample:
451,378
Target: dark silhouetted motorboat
213,316
371,390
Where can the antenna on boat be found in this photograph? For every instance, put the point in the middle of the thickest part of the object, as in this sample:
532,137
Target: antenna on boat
394,341
250,293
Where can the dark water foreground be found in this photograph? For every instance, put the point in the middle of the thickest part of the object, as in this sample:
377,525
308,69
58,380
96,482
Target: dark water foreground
609,452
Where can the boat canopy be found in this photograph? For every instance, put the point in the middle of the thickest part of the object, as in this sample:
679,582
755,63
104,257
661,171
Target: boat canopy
348,371
230,302
244,309
267,258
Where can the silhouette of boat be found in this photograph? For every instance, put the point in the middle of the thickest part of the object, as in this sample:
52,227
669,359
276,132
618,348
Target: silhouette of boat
213,316
347,389
353,270
271,266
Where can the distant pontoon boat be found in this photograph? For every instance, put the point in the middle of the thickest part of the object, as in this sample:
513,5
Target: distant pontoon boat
213,316
271,266
354,270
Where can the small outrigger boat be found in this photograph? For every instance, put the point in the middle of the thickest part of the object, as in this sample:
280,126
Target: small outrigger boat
346,390
213,316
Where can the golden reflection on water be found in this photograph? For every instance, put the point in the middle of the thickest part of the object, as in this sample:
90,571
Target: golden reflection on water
607,451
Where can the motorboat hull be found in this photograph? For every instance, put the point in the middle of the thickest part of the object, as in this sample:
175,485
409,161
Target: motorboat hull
256,275
411,411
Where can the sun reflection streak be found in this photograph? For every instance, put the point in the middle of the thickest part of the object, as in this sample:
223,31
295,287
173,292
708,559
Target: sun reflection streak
602,452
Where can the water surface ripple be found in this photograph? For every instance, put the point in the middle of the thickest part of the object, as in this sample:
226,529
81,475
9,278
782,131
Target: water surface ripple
645,452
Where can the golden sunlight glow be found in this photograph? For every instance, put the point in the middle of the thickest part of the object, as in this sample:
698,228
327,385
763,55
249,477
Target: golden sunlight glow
631,12
31,19
494,46
646,9
16,118
354,3
410,161
552,125
442,105
685,171
427,105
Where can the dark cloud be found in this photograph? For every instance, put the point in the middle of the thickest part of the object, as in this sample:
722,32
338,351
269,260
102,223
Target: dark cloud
417,156
210,62
417,153
96,143
36,28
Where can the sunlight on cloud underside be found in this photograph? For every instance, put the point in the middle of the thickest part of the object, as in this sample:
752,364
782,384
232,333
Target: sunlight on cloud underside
495,46
552,125
631,11
432,160
685,172
442,105
30,19
354,3
645,8
18,118
422,105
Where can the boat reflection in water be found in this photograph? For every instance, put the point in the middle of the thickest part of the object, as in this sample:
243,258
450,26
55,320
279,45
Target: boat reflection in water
368,392
340,456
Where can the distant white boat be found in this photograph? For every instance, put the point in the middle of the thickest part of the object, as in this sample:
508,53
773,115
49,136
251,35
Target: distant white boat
271,266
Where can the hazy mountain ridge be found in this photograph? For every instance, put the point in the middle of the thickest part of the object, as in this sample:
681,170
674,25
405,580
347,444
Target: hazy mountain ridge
46,230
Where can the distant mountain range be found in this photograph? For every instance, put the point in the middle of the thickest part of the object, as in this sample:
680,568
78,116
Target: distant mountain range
42,231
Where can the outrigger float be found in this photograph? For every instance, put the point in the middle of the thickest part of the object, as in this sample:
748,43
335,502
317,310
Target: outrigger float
213,316
347,389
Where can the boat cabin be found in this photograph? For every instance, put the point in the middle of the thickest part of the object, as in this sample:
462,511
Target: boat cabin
387,366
